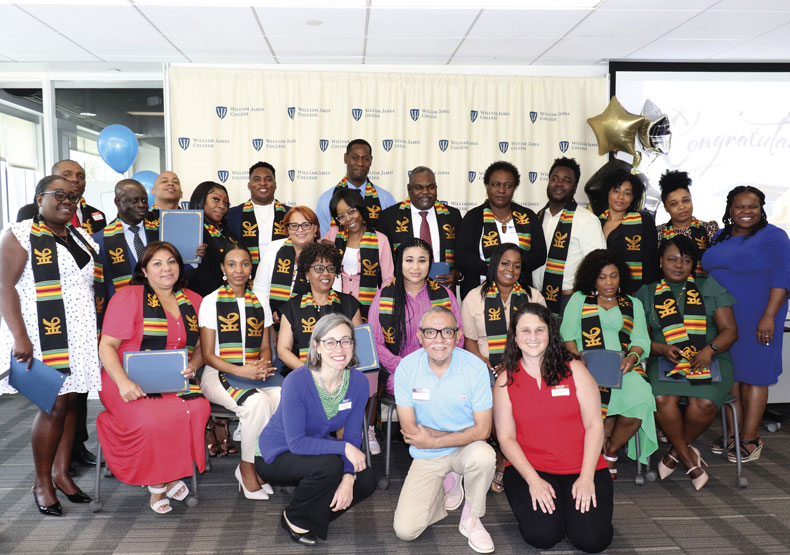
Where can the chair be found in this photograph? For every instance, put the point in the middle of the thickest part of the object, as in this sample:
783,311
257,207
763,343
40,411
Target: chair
388,401
373,383
649,475
218,411
740,481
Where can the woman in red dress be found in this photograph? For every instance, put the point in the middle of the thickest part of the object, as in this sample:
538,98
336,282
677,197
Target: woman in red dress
152,440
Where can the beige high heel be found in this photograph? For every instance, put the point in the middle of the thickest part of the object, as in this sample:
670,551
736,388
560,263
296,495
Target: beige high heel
663,470
700,481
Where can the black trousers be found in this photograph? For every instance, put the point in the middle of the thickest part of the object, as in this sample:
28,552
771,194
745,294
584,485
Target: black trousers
81,420
316,478
590,532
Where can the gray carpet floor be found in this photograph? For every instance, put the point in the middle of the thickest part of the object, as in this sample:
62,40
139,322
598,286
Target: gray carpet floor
659,517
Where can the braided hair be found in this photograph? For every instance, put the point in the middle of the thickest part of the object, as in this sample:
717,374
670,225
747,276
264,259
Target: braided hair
399,308
726,233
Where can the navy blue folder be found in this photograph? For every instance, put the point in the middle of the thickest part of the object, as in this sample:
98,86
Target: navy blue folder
665,366
247,383
365,348
184,230
604,365
439,269
158,371
41,384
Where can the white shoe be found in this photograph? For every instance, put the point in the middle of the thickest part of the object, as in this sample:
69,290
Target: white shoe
375,448
259,495
479,538
455,495
237,432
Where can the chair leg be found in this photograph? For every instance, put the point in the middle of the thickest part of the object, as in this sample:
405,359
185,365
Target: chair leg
640,479
724,430
192,500
367,418
385,481
96,504
740,481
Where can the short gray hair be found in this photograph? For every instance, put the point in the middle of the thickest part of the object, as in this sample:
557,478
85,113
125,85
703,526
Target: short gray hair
321,328
421,169
438,310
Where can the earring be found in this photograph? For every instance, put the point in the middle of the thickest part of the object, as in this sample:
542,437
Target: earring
224,277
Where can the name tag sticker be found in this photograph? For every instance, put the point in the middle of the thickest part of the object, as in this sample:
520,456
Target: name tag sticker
560,391
345,404
97,216
421,394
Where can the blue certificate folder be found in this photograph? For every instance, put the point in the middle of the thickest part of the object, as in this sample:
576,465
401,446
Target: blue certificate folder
158,371
604,365
246,383
665,366
366,348
184,230
41,384
439,269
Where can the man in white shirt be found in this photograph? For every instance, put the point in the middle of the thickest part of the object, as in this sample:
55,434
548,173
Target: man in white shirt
570,232
167,191
258,221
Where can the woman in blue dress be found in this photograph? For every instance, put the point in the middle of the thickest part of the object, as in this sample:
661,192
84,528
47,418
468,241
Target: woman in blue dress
751,259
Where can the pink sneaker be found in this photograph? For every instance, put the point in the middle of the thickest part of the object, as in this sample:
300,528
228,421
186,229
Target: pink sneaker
454,491
479,538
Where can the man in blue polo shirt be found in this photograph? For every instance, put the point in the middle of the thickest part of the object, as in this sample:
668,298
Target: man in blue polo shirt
443,395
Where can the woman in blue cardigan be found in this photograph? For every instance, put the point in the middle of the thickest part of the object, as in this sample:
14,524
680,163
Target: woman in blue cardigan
323,396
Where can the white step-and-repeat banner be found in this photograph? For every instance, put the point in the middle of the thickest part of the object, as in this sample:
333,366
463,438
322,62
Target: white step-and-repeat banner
225,120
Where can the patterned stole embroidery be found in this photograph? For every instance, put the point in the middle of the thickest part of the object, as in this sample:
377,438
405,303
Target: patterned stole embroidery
155,328
438,294
491,233
308,314
249,230
558,254
120,268
687,330
216,239
229,324
496,323
90,223
700,236
371,199
632,230
370,269
592,335
283,275
152,218
404,230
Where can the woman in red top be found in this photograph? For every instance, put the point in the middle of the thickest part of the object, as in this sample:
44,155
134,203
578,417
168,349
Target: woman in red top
152,440
547,414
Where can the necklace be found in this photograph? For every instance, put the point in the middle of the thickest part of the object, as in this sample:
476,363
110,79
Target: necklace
610,299
64,240
324,393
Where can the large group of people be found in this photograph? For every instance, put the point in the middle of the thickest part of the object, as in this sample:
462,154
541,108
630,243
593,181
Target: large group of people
490,384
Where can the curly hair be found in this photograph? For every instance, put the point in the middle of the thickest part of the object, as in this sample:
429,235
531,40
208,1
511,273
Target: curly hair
726,233
590,268
501,165
569,163
685,245
671,181
317,251
554,365
399,307
616,178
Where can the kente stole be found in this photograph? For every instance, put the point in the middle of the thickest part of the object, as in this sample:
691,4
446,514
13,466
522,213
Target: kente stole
371,199
90,223
404,230
496,323
309,313
438,295
155,329
700,236
229,335
370,270
632,229
283,275
249,230
558,254
490,236
120,267
50,310
686,331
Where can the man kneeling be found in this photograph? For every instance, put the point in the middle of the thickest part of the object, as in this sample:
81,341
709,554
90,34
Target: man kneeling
443,394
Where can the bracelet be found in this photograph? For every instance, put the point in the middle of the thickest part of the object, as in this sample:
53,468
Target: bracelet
633,353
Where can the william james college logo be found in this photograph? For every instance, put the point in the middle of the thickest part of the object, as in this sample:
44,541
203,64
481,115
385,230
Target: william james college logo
472,176
291,174
223,175
443,144
564,146
503,146
291,111
323,144
473,115
257,144
533,116
387,144
533,176
222,111
356,113
415,114
183,142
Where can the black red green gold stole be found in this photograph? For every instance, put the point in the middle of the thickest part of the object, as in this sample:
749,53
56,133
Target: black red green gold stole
283,274
152,217
632,230
496,323
698,233
491,233
229,323
404,230
438,295
91,221
371,198
370,269
558,254
309,313
155,328
592,335
120,268
51,312
686,331
216,238
249,229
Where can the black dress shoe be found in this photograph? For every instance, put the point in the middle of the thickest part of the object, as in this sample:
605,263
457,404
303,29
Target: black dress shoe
83,457
308,538
50,510
79,497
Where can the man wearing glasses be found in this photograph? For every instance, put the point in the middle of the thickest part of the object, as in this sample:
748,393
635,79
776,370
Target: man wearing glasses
444,401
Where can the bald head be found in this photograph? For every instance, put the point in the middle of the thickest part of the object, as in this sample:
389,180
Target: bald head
131,199
167,190
71,171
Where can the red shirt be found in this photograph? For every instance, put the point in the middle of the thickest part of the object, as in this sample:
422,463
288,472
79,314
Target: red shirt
549,425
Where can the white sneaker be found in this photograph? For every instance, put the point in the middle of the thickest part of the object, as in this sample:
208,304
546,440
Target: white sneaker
479,538
454,491
375,448
237,432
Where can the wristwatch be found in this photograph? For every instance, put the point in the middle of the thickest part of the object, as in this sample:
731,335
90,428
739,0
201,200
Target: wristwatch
713,346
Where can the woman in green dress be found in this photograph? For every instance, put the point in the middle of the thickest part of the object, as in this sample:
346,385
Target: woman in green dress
691,323
600,316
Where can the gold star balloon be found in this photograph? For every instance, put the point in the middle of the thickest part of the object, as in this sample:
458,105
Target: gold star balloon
616,128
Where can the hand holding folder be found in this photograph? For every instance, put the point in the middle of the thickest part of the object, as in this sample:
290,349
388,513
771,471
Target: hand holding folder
158,371
40,383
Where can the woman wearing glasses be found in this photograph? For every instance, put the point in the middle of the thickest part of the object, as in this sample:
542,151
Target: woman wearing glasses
367,257
318,266
276,279
318,398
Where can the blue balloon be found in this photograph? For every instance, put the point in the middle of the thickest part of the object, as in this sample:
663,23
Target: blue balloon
118,147
147,178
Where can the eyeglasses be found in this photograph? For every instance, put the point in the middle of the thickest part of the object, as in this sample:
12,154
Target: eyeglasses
348,214
319,269
60,196
330,344
431,333
304,225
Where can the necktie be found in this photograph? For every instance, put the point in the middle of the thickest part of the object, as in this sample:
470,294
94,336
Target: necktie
425,230
138,242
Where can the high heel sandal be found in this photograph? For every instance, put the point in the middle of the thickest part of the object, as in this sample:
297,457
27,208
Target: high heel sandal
612,467
212,445
700,460
222,431
717,446
746,456
260,495
171,493
162,503
663,470
700,481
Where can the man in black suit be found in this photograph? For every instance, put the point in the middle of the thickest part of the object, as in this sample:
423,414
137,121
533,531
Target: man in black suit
421,215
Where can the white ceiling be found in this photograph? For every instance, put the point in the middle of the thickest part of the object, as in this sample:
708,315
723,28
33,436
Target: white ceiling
374,32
